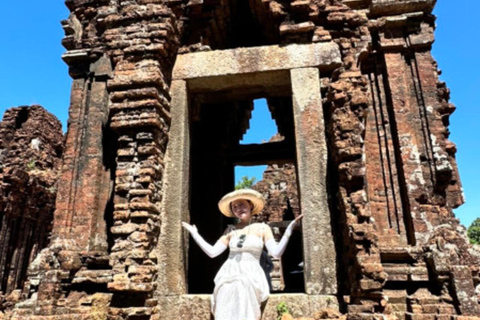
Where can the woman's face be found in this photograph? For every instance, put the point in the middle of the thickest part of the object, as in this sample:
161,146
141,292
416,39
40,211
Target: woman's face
242,209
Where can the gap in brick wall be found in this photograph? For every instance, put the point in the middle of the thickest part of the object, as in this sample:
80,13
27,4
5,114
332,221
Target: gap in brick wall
251,172
261,129
261,126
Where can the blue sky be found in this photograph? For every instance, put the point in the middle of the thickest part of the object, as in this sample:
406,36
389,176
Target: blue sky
33,73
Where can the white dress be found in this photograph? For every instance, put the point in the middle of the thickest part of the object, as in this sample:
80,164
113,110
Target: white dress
240,284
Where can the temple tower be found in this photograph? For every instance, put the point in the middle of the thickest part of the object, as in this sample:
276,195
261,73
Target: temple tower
162,93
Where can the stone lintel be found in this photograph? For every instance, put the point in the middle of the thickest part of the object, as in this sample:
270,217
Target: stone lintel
75,55
392,7
258,59
231,87
171,278
319,248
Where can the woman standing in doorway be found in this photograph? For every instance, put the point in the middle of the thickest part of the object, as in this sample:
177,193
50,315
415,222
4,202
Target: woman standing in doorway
240,284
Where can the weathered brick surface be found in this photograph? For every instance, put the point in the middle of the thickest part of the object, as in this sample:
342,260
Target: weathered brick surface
279,188
392,176
31,146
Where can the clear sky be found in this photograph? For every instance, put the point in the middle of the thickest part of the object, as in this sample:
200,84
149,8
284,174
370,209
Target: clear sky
32,72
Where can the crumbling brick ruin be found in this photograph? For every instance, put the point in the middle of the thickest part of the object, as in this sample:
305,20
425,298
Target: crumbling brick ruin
31,147
162,93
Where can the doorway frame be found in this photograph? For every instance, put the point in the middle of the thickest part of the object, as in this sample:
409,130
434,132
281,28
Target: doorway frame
298,66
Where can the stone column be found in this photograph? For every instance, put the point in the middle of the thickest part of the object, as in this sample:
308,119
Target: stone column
319,248
140,116
171,279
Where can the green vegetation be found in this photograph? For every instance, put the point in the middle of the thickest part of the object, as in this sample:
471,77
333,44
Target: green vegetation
245,183
281,310
31,165
474,232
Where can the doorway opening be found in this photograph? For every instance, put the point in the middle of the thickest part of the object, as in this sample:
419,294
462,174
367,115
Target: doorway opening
218,123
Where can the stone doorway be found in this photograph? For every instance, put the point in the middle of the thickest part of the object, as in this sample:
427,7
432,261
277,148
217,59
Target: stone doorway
224,83
217,123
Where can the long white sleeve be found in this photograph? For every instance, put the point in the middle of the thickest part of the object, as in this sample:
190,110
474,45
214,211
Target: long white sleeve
277,249
211,251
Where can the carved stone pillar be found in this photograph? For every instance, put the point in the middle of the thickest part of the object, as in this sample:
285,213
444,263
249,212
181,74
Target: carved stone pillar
319,248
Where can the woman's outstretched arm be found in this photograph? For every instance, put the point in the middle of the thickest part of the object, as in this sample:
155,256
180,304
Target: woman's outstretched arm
277,249
212,251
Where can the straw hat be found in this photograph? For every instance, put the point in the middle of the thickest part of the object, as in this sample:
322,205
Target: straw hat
248,194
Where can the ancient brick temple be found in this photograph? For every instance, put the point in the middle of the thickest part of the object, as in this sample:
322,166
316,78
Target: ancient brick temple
162,94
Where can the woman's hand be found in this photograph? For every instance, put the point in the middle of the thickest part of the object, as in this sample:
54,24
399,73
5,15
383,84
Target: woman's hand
211,251
297,219
288,231
277,250
190,228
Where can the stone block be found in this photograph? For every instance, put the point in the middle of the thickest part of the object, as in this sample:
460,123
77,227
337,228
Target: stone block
93,276
464,288
255,60
299,305
320,255
391,7
297,28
